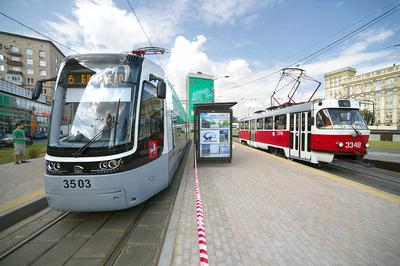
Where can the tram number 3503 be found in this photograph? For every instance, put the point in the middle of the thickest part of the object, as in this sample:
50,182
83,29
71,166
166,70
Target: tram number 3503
80,183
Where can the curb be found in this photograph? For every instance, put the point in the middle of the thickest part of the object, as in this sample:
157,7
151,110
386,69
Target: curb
14,216
167,250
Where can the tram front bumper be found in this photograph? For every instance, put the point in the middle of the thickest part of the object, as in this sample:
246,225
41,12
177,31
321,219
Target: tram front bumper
89,200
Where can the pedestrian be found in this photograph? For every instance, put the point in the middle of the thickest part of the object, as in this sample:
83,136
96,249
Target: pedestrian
19,143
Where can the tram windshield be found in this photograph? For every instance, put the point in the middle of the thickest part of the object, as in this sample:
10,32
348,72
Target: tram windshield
338,118
94,103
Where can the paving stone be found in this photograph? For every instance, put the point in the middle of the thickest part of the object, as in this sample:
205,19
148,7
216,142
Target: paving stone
99,245
60,253
140,255
146,235
57,231
271,211
26,254
154,219
87,228
84,262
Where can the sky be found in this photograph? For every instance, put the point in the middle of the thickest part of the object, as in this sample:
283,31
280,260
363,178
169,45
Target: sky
245,39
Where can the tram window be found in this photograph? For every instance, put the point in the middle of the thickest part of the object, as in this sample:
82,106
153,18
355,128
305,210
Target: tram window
280,122
323,120
241,125
260,123
268,123
252,124
303,122
302,141
291,122
309,121
151,127
308,142
246,125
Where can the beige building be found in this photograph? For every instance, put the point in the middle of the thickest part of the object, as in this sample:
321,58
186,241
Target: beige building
379,90
24,60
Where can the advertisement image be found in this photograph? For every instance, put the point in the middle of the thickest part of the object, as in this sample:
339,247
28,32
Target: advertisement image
214,134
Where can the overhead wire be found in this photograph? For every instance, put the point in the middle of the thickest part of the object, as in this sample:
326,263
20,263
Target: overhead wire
36,31
147,36
327,47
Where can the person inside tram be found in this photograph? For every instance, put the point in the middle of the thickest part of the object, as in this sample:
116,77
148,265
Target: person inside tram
323,120
106,135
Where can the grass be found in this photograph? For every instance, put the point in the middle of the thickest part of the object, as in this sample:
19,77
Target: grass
387,145
32,151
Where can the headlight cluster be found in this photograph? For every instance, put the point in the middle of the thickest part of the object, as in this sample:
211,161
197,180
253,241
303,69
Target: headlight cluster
110,165
340,144
53,166
366,145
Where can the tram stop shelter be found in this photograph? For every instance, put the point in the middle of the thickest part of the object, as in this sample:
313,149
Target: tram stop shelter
213,131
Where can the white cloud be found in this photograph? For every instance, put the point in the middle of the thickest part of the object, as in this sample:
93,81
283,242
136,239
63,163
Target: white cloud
366,40
189,56
102,26
229,11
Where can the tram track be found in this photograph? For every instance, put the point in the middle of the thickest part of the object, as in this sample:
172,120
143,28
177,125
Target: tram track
31,236
388,181
105,238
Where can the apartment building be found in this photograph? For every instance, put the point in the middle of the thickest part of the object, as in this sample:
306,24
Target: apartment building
24,60
378,91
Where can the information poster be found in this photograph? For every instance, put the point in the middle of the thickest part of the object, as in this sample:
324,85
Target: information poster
215,134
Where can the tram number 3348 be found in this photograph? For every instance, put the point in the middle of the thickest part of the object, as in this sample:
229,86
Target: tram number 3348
80,183
351,145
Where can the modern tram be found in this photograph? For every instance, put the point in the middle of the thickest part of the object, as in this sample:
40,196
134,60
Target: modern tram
117,133
315,131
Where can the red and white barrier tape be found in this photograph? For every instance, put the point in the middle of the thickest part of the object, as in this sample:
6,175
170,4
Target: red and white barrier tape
201,230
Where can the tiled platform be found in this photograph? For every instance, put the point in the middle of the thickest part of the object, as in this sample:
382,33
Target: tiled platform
21,184
264,210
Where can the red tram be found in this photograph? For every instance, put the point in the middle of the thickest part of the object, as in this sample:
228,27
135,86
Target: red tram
316,131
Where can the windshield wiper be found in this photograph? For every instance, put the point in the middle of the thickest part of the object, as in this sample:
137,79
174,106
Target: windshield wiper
355,129
94,139
98,135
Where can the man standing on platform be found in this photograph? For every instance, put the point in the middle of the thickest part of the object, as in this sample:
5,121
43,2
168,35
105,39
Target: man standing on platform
19,143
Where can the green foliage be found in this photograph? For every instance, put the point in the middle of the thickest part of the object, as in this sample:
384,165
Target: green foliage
368,116
34,152
7,154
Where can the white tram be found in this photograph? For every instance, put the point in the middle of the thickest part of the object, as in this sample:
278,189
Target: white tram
117,133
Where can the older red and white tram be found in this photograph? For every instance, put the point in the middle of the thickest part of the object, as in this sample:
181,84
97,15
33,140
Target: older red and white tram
316,131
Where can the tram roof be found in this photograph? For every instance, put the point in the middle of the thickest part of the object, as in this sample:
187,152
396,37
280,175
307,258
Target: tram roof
279,111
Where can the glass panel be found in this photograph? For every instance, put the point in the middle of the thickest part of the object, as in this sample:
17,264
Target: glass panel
268,123
94,105
259,123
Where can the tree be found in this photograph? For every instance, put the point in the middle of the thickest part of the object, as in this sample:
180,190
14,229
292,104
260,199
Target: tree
368,116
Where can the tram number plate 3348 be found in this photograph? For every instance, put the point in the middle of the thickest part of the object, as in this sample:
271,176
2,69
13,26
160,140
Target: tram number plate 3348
76,183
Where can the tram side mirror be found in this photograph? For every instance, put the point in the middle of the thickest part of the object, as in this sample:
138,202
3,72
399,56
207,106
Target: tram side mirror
161,86
161,89
37,90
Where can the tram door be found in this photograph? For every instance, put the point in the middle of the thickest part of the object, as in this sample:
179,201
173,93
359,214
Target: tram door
300,133
252,131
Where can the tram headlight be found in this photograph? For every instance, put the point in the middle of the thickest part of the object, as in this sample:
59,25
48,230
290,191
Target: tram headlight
340,144
367,145
110,165
53,166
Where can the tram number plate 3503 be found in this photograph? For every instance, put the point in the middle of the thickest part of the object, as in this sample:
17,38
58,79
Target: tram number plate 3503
77,183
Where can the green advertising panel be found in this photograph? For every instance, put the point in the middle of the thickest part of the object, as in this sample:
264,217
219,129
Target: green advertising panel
200,91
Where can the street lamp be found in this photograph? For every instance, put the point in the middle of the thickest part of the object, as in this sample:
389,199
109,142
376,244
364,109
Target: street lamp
221,76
